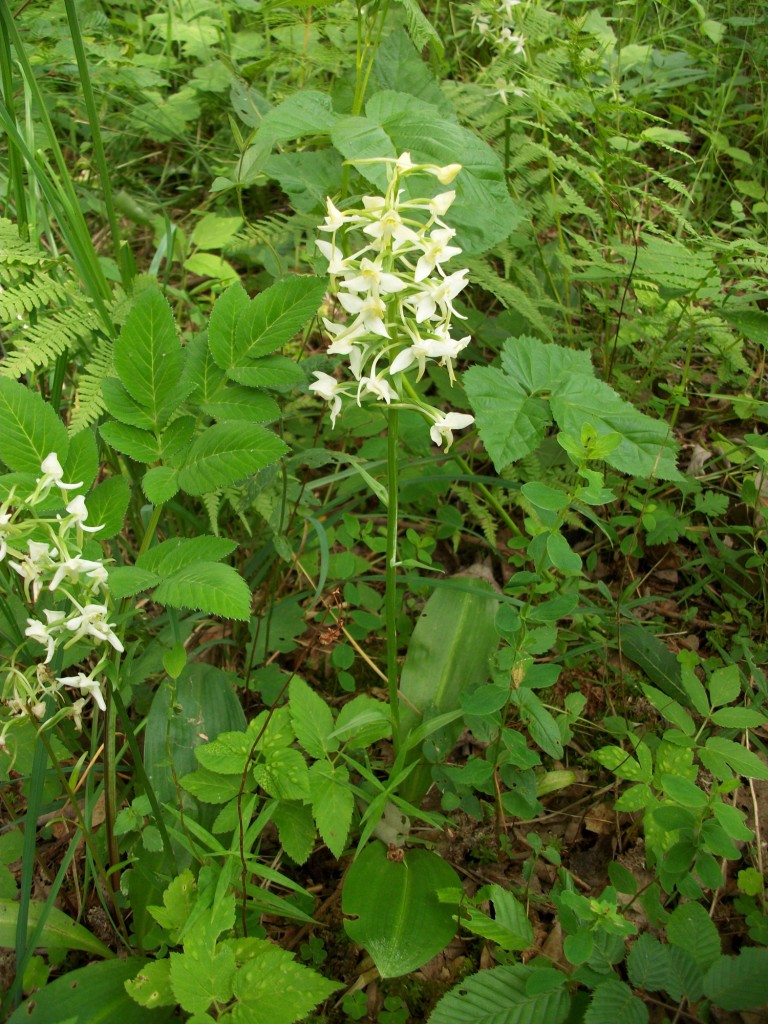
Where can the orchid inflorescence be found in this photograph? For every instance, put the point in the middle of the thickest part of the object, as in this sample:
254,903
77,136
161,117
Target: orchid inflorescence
46,552
396,293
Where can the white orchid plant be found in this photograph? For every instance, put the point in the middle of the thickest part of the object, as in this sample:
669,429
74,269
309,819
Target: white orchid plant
395,296
46,552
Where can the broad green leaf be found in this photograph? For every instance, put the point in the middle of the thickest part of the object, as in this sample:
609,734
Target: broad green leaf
738,718
578,946
684,792
740,760
240,403
274,316
201,373
307,177
562,555
271,988
307,112
160,484
137,444
448,656
361,722
227,754
173,554
107,504
82,461
210,787
398,65
312,719
543,496
622,764
296,828
208,587
392,910
31,430
127,580
332,803
59,930
509,927
670,709
198,981
541,725
690,928
284,774
537,366
214,231
510,423
724,685
122,407
176,436
646,449
614,1001
739,982
648,964
226,453
94,994
652,655
501,995
148,357
179,899
152,985
276,372
221,331
731,819
685,975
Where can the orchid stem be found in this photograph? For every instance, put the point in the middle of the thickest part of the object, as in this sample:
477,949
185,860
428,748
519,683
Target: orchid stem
391,577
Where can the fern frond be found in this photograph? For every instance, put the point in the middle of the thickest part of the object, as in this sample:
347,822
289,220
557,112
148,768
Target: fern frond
509,295
89,401
481,513
14,249
17,301
212,504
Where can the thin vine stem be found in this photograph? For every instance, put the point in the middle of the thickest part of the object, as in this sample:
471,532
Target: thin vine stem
391,576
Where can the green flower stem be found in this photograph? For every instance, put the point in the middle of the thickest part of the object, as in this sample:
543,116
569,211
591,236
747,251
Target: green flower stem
391,577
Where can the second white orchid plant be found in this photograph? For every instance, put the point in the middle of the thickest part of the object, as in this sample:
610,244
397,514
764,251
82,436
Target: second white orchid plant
386,263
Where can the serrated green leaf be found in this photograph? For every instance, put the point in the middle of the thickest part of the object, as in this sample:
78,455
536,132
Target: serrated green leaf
227,754
152,985
541,725
207,587
724,685
511,424
160,484
198,981
738,718
284,774
273,317
308,112
312,719
670,709
178,902
127,580
148,357
537,366
201,373
31,429
648,964
614,1001
279,373
332,803
272,988
690,928
685,978
361,722
176,436
221,329
107,504
296,828
741,761
738,982
173,554
226,453
241,403
501,996
210,787
82,461
646,448
122,407
137,444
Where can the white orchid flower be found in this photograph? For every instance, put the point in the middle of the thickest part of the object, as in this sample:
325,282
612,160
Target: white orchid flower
86,685
328,387
442,429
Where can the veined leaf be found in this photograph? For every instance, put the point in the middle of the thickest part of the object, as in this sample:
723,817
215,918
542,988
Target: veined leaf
279,373
59,930
208,587
691,928
511,424
107,504
332,803
274,316
127,580
31,430
221,329
177,552
614,1001
148,357
312,719
122,407
501,996
137,444
738,982
226,453
271,988
240,403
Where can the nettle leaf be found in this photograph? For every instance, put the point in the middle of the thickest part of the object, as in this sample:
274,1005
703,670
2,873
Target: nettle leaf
502,995
312,719
198,981
177,552
137,444
275,315
31,430
308,112
738,982
226,453
207,587
538,366
148,357
614,1001
690,928
332,803
296,828
511,424
271,988
221,329
646,448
